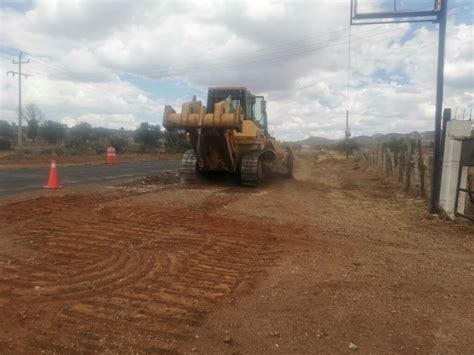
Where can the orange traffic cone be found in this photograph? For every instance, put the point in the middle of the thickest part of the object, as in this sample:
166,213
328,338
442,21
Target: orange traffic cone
53,182
111,157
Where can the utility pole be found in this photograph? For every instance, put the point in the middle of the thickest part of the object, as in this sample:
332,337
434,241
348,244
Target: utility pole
348,134
436,176
437,15
19,73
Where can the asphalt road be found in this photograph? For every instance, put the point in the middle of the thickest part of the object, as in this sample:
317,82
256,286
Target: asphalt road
21,180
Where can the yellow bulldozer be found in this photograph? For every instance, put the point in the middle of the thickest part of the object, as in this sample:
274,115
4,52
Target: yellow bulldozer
229,135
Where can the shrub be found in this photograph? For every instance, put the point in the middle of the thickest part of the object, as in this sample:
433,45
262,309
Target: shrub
177,141
47,151
33,116
148,135
134,148
58,151
398,145
52,132
74,143
352,146
6,130
81,132
74,151
120,144
100,148
100,134
5,144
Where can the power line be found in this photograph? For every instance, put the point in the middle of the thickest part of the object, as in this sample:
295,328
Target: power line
203,65
220,66
272,59
165,72
234,58
301,49
190,65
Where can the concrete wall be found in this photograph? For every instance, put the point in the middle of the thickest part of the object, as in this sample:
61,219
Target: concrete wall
455,132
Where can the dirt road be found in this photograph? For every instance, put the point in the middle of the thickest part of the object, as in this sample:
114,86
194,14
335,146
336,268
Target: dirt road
335,257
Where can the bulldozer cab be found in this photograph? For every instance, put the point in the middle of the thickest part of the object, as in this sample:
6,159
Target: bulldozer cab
254,106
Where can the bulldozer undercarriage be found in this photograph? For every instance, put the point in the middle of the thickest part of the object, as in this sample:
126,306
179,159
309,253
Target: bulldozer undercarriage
188,170
254,167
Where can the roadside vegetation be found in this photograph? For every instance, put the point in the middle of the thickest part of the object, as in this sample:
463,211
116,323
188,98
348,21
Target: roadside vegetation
42,136
351,146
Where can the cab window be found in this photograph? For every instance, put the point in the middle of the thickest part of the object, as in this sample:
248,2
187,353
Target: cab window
235,103
258,111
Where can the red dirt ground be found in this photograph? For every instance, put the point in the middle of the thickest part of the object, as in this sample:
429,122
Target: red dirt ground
336,256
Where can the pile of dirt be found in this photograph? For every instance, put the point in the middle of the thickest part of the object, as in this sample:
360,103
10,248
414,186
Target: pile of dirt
164,178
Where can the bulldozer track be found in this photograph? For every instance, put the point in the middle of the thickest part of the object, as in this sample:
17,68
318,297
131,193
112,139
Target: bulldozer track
188,167
124,277
249,169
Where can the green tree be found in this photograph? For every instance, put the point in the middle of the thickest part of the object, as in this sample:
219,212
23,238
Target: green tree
6,134
82,132
6,130
32,131
119,143
52,131
148,135
351,146
176,140
33,116
397,145
101,134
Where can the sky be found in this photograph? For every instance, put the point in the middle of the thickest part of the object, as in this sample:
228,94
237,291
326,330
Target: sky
117,63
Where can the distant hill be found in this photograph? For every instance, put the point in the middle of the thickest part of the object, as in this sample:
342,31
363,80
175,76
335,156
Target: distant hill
377,138
382,138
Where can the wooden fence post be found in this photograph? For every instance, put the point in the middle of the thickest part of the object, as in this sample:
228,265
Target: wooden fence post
401,165
394,167
408,167
421,169
387,162
430,169
379,156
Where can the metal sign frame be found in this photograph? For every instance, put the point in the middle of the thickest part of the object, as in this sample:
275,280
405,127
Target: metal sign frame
395,16
437,15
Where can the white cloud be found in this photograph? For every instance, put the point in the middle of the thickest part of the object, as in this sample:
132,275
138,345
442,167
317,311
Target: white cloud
126,121
293,52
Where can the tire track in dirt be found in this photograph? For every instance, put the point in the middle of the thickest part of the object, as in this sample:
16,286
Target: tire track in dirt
43,206
124,276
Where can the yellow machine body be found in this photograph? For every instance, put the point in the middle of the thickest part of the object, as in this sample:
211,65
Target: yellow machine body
234,127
